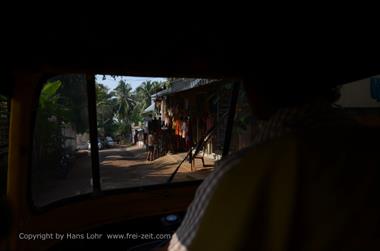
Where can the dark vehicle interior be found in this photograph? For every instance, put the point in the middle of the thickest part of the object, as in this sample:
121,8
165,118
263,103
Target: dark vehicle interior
37,50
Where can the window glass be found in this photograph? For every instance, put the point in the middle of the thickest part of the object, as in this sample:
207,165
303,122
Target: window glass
148,126
61,164
361,101
245,126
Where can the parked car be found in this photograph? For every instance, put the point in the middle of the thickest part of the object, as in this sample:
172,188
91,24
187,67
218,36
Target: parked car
109,142
100,145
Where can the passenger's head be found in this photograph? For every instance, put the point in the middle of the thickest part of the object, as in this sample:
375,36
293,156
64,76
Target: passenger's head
266,96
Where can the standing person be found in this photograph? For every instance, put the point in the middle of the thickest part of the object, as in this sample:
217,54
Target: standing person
135,138
150,140
145,140
155,145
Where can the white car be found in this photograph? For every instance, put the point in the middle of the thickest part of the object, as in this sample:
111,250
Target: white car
100,145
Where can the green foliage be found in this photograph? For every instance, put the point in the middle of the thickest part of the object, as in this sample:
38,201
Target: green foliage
119,108
125,101
62,105
106,108
48,94
48,137
146,90
73,96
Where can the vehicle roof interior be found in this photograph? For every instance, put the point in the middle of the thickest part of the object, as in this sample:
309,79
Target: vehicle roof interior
194,49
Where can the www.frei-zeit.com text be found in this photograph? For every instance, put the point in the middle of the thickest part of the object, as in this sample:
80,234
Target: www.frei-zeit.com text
92,236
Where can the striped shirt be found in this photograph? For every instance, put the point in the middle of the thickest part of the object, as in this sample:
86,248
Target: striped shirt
284,121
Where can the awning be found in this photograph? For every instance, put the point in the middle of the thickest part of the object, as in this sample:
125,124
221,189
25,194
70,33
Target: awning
149,109
183,85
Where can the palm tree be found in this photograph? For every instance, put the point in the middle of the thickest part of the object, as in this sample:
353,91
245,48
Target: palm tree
146,90
105,109
124,104
124,101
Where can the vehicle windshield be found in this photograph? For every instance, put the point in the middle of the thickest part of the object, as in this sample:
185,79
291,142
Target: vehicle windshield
146,129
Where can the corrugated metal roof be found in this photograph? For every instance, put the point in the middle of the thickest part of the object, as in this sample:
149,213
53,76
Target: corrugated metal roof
183,85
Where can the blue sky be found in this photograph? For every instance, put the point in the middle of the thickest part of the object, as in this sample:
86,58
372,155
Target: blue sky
111,83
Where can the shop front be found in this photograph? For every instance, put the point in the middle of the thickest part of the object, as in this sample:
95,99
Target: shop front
187,115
